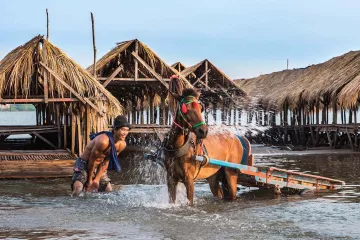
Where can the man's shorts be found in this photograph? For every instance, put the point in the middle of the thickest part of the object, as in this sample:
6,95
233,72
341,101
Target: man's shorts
81,175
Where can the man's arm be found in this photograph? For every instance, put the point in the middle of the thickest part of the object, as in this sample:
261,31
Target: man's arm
100,146
100,171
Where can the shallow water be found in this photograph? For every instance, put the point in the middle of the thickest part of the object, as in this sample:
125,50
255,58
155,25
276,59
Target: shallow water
43,209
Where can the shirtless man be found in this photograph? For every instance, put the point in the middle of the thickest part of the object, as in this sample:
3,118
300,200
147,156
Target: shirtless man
90,169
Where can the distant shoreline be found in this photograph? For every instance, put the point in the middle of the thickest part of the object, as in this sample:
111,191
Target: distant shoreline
17,108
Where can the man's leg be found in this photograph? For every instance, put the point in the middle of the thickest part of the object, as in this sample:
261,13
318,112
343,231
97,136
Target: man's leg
105,183
78,181
77,187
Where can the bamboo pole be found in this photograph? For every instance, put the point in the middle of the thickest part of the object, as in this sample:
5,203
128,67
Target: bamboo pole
47,25
239,116
133,107
58,120
73,132
142,110
317,111
88,123
334,108
151,119
79,133
350,116
94,43
162,111
65,115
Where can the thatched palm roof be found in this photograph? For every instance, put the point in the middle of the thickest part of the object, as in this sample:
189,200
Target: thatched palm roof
300,86
22,75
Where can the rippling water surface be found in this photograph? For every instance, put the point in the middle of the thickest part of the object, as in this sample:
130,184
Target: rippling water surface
35,209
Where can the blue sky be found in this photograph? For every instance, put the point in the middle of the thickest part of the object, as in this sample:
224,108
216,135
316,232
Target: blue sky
243,38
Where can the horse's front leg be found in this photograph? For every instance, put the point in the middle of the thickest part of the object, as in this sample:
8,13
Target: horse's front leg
172,184
189,184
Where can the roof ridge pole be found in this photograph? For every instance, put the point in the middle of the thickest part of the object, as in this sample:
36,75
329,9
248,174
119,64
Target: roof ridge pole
94,43
47,25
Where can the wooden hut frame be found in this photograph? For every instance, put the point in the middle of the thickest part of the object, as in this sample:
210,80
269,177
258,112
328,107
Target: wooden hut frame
216,87
67,99
179,66
138,78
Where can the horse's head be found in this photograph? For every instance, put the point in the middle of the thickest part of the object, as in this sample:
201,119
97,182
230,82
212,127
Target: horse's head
186,108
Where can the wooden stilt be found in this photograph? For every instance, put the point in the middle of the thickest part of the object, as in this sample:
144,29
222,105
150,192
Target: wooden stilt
151,109
73,132
79,134
65,116
334,108
312,136
350,140
142,121
317,111
58,118
88,124
162,111
329,138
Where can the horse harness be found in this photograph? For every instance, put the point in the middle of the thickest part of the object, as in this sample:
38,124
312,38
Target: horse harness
181,151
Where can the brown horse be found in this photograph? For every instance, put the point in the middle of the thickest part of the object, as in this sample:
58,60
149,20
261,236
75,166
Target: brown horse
187,136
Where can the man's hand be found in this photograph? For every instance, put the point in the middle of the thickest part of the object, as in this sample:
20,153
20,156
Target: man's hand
93,186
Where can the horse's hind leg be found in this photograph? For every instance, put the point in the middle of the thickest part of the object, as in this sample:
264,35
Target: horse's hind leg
231,178
214,185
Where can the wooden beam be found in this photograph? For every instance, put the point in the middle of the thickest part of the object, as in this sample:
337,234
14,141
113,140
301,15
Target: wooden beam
44,139
83,100
147,79
206,73
38,100
64,83
152,71
200,79
112,76
136,61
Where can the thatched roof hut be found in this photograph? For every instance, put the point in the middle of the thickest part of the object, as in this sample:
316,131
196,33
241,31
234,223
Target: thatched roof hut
214,84
39,73
337,78
23,70
133,69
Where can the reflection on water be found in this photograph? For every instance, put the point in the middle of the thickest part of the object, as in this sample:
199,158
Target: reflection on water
43,208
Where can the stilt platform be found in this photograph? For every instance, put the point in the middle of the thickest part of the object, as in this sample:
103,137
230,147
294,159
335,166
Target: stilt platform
36,164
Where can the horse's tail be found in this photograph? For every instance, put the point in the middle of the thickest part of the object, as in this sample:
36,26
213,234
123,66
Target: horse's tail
247,158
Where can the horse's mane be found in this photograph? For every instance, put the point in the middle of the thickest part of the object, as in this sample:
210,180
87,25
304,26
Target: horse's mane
175,86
